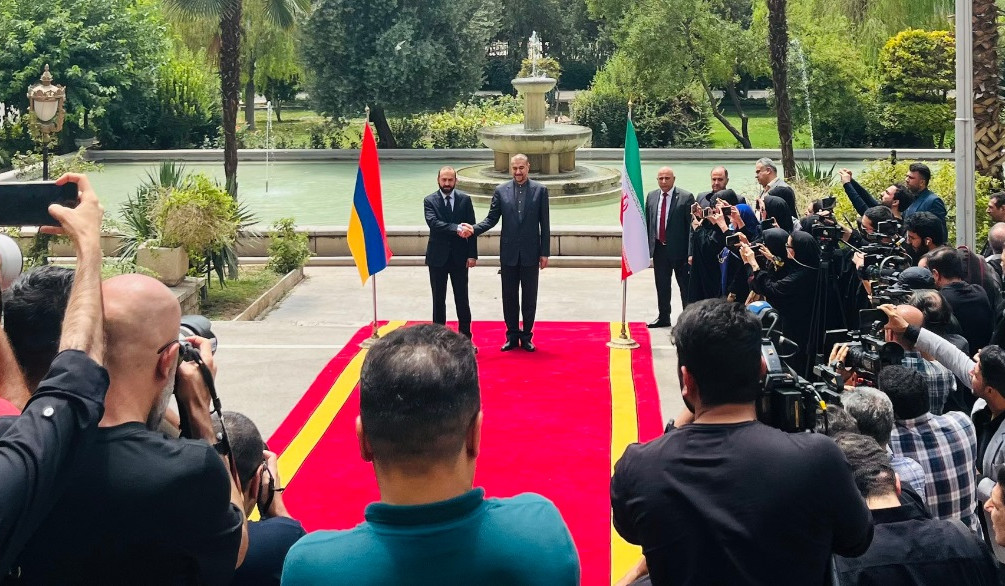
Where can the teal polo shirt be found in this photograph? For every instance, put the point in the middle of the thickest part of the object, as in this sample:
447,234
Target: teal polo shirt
465,540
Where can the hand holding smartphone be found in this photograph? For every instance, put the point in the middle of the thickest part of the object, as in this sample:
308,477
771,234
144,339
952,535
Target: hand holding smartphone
27,203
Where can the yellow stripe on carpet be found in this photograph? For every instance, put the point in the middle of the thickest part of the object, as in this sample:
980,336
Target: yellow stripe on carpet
624,431
301,446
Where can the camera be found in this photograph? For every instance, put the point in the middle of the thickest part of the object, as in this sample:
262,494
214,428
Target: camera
194,325
868,351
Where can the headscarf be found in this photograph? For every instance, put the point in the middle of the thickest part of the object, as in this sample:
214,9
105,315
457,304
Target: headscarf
751,227
727,195
775,240
787,195
775,207
806,249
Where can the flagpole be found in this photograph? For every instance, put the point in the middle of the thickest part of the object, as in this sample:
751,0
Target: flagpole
373,285
623,341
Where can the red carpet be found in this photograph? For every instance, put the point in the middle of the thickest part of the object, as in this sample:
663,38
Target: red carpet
547,429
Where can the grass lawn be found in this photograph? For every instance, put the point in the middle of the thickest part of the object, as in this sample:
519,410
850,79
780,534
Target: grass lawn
228,302
761,128
294,132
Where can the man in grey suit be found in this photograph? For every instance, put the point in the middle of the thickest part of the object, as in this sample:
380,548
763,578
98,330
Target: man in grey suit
524,248
668,216
451,249
766,174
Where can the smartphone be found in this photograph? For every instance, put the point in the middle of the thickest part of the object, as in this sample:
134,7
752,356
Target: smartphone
707,212
727,210
768,224
695,208
828,203
733,241
27,203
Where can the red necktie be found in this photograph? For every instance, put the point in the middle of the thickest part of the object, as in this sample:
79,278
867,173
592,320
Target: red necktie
663,220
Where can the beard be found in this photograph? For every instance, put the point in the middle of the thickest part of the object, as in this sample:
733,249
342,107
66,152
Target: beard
446,190
160,407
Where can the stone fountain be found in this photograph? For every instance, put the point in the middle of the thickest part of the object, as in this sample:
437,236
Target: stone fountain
550,148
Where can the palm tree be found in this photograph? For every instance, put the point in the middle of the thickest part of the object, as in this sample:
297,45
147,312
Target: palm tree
281,12
988,131
778,47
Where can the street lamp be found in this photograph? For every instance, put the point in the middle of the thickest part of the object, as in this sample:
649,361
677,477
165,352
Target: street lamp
46,101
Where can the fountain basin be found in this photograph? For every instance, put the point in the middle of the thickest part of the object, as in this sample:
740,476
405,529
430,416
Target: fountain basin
584,185
551,150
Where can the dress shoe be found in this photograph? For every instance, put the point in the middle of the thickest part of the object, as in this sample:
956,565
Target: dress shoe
660,323
528,345
509,345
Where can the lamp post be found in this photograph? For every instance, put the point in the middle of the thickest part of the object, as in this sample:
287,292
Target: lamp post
46,101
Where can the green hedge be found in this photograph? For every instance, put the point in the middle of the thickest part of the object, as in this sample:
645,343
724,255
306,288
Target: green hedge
679,122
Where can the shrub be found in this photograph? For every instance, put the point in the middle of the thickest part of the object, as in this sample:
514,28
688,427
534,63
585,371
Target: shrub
577,75
680,121
546,66
199,216
288,249
410,132
499,74
14,134
458,128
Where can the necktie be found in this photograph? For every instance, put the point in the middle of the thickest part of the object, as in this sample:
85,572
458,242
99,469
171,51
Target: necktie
449,207
663,220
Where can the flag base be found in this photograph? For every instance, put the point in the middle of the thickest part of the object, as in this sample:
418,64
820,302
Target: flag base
622,343
367,343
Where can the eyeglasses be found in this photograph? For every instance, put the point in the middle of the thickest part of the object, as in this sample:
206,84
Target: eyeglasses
167,345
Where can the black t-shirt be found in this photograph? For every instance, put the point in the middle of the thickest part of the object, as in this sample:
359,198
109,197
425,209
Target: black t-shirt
269,540
973,310
139,509
739,504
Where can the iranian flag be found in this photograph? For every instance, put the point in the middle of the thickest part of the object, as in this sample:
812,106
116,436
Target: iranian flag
634,234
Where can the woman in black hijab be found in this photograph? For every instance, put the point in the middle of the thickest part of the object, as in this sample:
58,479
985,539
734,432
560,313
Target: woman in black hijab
707,242
791,291
777,208
786,194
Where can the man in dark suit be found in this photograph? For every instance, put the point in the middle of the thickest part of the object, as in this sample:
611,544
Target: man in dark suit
668,211
451,249
524,248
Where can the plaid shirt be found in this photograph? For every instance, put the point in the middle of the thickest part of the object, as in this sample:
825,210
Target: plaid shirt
910,473
946,448
940,380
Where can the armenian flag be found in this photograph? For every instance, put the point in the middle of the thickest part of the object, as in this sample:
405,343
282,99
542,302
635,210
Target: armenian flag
366,235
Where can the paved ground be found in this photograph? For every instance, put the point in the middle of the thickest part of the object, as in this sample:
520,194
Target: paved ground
265,366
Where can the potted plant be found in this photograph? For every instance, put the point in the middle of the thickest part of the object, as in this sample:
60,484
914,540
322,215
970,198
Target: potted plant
169,263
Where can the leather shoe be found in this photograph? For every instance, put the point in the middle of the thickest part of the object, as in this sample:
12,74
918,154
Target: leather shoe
509,345
660,323
528,345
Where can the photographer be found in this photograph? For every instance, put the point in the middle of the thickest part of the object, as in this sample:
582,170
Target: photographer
727,499
944,445
791,291
270,539
970,303
40,448
145,508
707,242
924,233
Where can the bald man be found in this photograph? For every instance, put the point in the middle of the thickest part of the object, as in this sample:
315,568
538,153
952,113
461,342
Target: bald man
668,216
452,248
940,380
524,248
144,508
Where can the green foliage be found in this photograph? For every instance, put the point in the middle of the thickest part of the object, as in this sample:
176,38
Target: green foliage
288,249
410,131
137,212
577,75
815,173
546,66
197,215
678,122
14,135
180,110
104,51
458,128
402,57
916,73
841,85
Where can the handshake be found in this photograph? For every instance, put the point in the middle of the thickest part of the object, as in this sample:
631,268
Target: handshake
465,230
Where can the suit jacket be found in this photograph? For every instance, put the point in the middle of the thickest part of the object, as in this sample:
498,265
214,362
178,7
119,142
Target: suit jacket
444,245
523,240
678,221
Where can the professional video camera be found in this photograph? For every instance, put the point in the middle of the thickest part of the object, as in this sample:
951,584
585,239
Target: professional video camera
868,351
787,401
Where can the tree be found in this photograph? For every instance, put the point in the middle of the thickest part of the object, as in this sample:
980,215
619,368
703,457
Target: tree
917,70
105,52
269,52
395,57
670,44
280,12
988,131
778,47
